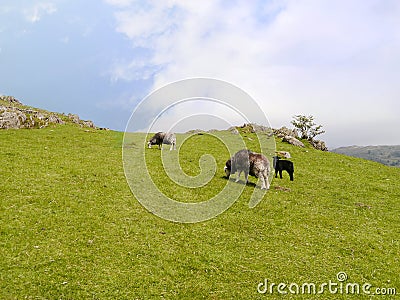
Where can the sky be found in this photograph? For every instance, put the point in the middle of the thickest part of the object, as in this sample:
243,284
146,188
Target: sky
336,60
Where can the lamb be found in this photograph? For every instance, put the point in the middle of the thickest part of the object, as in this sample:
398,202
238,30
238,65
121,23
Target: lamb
163,138
246,161
280,165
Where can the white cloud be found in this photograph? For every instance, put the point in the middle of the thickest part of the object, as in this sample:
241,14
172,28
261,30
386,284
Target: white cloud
120,3
337,60
133,70
177,118
36,12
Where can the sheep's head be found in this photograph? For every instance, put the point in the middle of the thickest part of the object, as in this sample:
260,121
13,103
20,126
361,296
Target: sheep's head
153,141
228,167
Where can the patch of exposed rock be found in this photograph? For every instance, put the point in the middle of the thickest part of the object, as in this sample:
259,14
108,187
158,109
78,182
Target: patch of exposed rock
195,131
10,99
255,128
319,145
293,141
291,136
11,118
14,115
284,131
233,130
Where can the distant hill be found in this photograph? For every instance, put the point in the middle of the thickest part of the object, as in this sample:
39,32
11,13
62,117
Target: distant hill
387,155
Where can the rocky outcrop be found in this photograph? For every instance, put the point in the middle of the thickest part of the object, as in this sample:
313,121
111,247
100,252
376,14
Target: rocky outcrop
233,130
291,136
284,131
10,99
55,119
15,115
255,128
74,118
88,123
319,145
293,141
195,131
11,118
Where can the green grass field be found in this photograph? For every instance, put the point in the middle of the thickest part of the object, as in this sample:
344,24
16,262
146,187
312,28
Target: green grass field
71,228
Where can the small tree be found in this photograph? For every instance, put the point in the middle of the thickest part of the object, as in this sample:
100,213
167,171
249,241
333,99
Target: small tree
306,126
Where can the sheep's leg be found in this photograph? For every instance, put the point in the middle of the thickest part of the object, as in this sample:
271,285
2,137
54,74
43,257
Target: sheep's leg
262,181
238,176
246,177
276,173
280,174
266,182
172,146
291,176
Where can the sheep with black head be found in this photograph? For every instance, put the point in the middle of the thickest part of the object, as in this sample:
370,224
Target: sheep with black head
161,138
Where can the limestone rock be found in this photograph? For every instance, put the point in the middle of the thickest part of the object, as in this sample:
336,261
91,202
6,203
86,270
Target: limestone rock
233,130
14,114
74,118
319,145
255,128
55,119
293,141
89,124
284,131
11,118
195,131
10,99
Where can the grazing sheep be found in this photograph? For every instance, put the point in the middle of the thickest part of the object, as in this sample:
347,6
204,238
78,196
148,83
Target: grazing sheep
255,164
280,165
163,138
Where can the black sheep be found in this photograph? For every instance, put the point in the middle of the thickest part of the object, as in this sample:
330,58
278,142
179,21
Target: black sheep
283,164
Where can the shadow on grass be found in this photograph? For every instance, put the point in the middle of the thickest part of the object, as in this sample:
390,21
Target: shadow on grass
252,184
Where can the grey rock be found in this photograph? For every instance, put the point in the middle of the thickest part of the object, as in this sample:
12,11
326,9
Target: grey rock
284,131
10,99
55,119
319,145
233,130
293,141
74,118
11,118
88,123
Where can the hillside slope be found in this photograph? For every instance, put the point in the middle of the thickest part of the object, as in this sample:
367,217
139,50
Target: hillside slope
70,227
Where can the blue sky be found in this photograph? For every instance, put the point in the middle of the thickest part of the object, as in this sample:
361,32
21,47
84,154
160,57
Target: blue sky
336,60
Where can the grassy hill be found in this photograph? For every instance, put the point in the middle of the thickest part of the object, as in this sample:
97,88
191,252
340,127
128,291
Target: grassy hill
387,155
71,229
